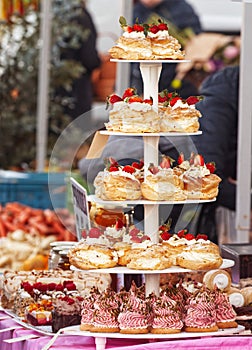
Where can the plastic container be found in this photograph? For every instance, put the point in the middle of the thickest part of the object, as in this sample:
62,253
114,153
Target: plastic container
38,190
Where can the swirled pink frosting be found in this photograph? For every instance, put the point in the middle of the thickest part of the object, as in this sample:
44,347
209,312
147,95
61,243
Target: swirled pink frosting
224,310
201,312
166,313
106,310
132,319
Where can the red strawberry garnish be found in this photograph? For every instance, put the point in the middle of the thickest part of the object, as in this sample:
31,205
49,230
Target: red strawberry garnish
113,99
129,169
181,233
138,28
174,100
162,26
95,232
145,238
129,29
198,160
27,287
166,162
129,92
51,286
189,236
135,99
202,236
119,224
162,97
137,165
165,235
154,29
148,100
192,100
69,285
181,158
113,168
211,167
136,239
59,287
153,169
134,232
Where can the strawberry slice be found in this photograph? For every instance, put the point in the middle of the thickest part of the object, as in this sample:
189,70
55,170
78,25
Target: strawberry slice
181,158
211,167
153,169
189,236
129,92
148,100
174,100
198,160
154,29
181,233
134,232
134,99
113,99
163,26
129,169
166,162
165,235
202,236
119,224
137,165
138,27
95,232
113,168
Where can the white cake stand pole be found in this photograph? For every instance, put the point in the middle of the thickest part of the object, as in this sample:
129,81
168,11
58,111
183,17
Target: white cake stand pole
150,74
100,343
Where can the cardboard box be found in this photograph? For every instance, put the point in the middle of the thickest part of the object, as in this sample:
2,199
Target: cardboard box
241,254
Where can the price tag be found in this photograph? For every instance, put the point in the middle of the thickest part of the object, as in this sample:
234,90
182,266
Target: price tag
81,210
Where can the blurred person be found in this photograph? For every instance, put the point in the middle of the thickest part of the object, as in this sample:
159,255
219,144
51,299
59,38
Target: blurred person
180,16
218,143
85,53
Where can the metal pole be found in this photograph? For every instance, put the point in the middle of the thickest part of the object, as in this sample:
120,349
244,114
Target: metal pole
43,83
243,197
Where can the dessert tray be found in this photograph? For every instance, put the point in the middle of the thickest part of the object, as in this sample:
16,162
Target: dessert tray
119,133
93,198
173,269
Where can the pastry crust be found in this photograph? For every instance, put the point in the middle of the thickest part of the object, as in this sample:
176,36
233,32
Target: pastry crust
163,186
114,186
199,260
151,258
207,329
165,330
105,329
123,250
86,327
85,256
227,324
205,188
179,119
134,331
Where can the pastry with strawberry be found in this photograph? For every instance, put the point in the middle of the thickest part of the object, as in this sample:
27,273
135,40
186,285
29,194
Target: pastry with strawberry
161,183
177,114
131,113
143,41
163,45
86,256
198,177
118,182
199,253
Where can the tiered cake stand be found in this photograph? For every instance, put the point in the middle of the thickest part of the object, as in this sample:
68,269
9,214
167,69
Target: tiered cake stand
150,71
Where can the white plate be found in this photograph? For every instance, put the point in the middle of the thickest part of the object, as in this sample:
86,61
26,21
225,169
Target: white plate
149,61
93,198
117,133
75,330
173,269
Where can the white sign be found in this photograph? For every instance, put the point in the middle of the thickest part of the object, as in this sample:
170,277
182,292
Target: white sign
81,210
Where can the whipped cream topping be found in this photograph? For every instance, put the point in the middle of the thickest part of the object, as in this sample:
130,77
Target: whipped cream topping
134,106
161,34
134,35
120,173
181,104
197,171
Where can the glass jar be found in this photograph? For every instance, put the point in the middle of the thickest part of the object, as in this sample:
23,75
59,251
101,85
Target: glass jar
63,262
54,255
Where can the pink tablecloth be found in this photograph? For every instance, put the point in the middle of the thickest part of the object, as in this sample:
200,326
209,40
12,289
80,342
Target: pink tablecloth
88,343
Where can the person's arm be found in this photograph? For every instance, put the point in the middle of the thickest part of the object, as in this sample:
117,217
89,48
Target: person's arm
218,141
